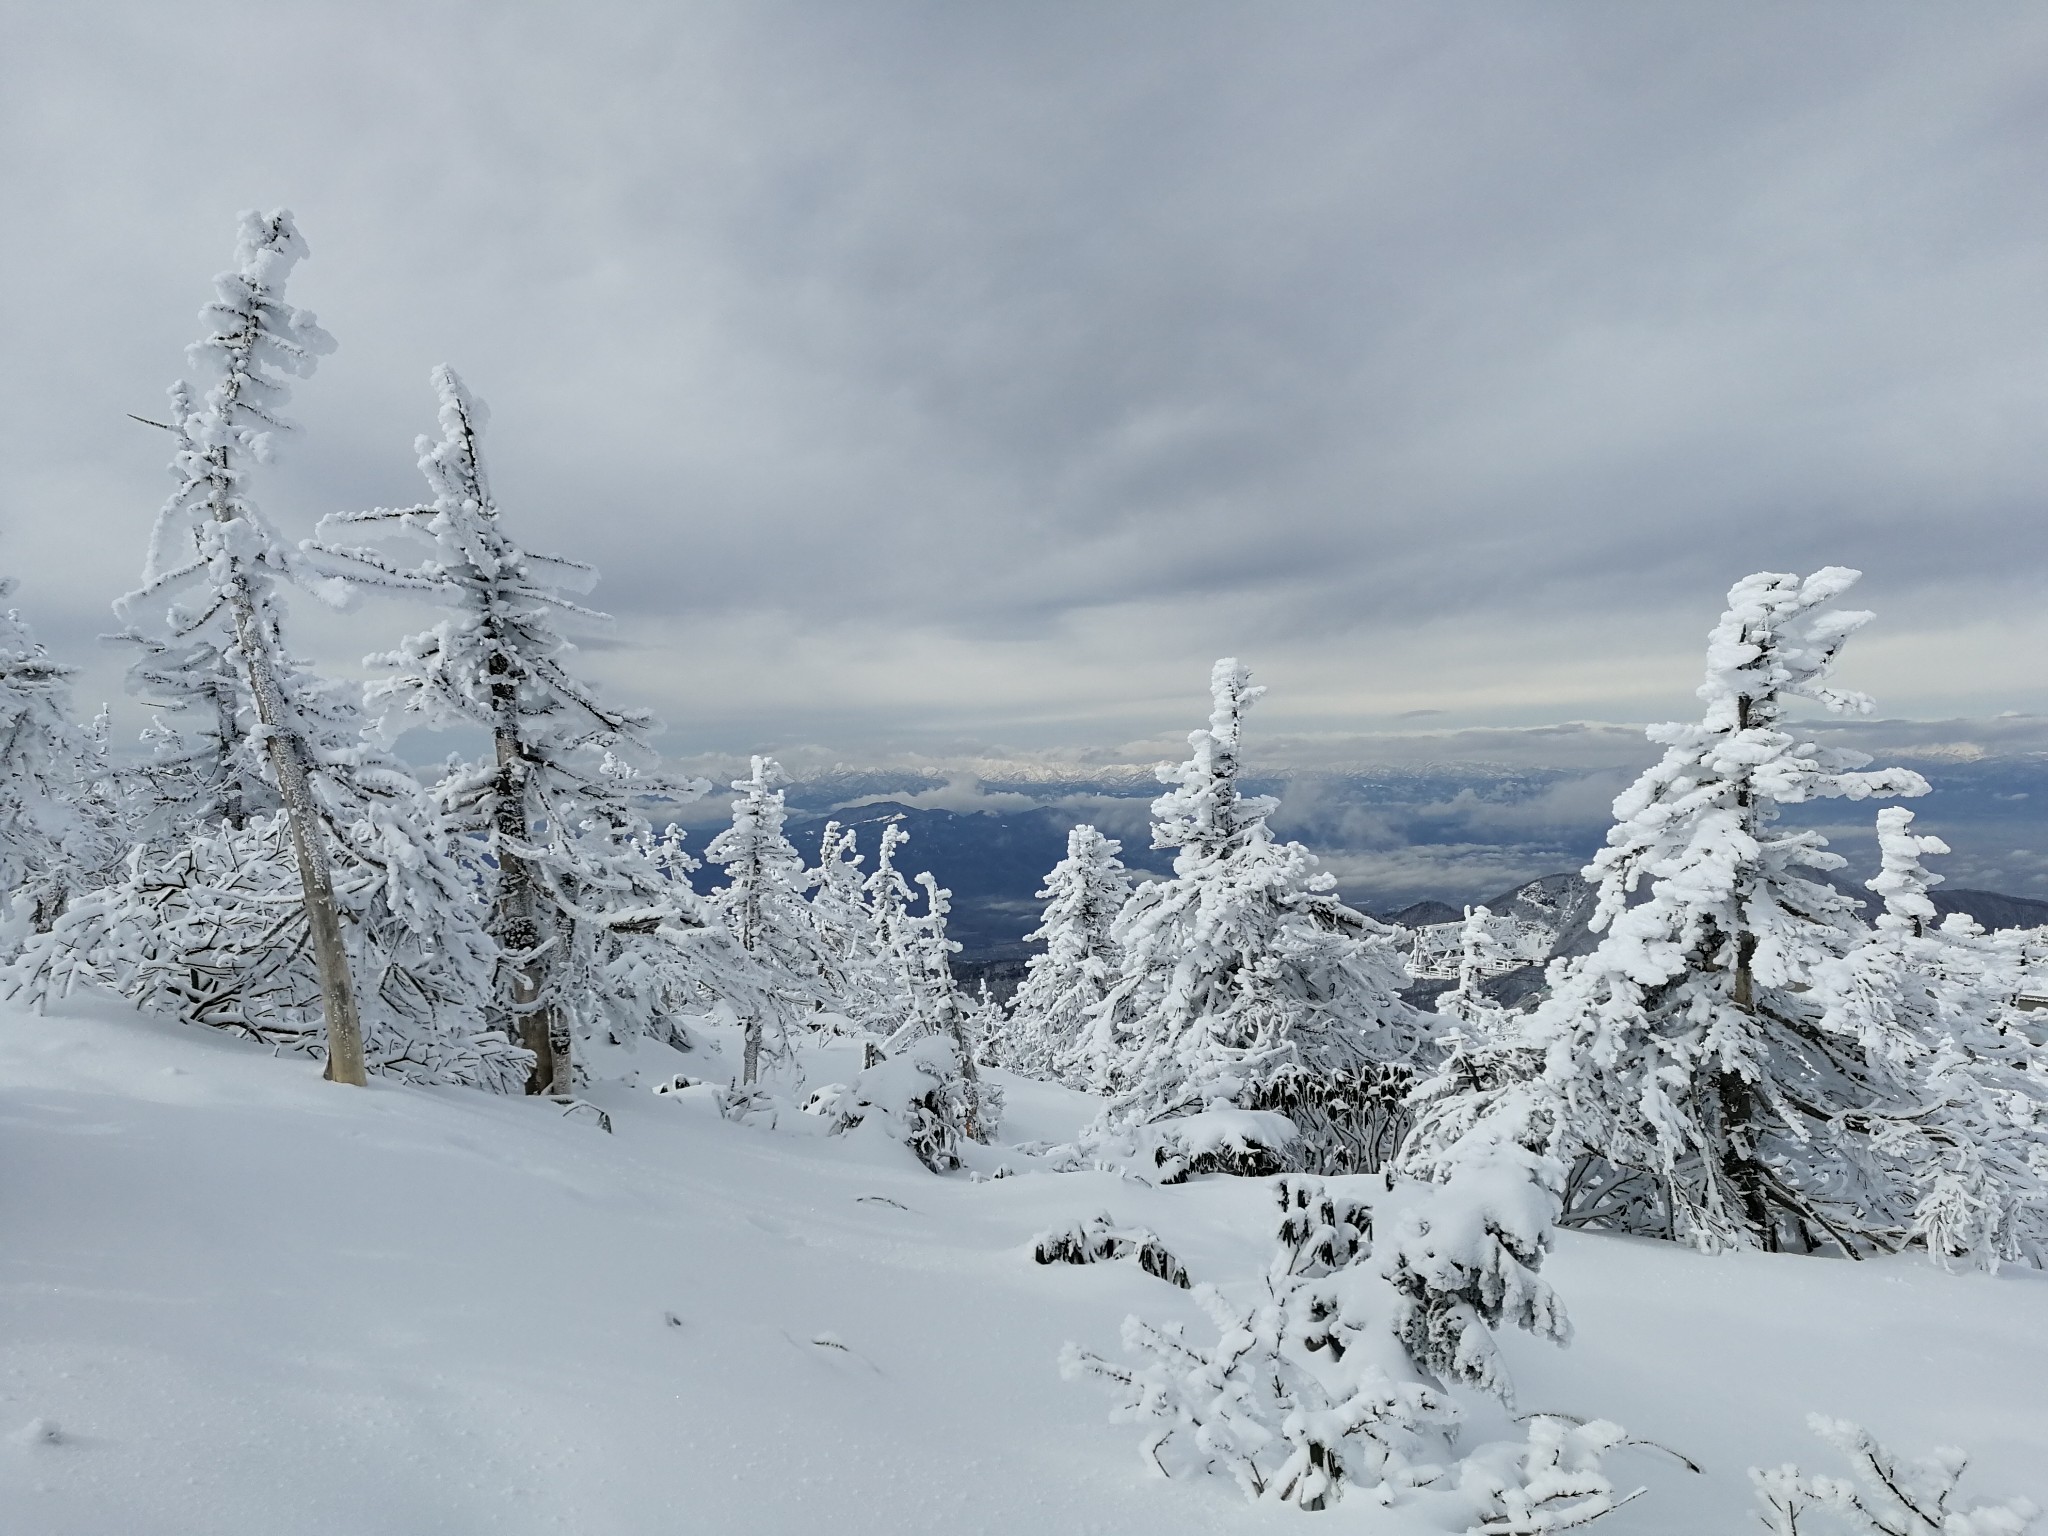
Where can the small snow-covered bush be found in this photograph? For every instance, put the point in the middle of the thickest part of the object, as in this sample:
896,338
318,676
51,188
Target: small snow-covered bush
916,1097
1294,1400
1100,1239
1250,1143
1883,1496
1553,1481
1465,1250
1339,1375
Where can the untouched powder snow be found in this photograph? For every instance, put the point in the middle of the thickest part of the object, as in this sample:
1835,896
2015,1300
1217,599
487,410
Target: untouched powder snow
236,1299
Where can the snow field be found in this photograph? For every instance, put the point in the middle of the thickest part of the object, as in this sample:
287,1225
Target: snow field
250,1301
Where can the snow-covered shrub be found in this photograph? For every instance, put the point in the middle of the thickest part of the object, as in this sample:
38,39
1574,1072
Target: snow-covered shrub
1464,1251
1325,1381
1245,982
1882,1496
913,1096
1100,1239
1248,1142
1553,1481
1294,1400
213,931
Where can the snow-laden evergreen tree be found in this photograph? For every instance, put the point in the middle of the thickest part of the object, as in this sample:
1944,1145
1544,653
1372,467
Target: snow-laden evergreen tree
1946,1143
58,829
881,990
762,903
1247,985
1698,1088
298,885
845,930
922,1086
1473,1013
936,1007
1050,1015
585,899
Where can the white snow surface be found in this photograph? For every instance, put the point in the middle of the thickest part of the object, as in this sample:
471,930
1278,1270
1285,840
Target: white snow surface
237,1299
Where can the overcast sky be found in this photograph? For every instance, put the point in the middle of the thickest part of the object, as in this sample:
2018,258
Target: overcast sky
967,376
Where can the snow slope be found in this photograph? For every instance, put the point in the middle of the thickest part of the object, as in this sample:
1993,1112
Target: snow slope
252,1302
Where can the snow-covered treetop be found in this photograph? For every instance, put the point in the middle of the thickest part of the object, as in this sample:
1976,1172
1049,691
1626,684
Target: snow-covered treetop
254,342
497,661
1204,814
1903,881
1707,804
753,847
256,336
1083,892
1778,640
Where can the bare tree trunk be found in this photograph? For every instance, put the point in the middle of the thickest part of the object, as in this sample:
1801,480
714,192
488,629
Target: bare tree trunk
1739,1105
287,751
234,805
750,1057
518,927
538,1025
970,1070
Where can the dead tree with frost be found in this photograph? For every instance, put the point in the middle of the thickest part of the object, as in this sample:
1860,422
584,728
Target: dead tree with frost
218,564
290,881
585,898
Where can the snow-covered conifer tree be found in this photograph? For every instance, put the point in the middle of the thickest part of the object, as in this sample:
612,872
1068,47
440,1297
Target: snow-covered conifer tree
1475,1013
1246,984
936,1008
867,985
889,897
56,833
762,904
1698,1087
1062,987
582,906
1945,1141
924,1087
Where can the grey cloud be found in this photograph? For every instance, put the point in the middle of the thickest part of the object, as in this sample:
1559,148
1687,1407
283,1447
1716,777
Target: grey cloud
1092,342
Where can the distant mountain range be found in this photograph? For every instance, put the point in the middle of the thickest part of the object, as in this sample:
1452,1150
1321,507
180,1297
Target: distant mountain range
1410,845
